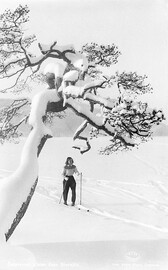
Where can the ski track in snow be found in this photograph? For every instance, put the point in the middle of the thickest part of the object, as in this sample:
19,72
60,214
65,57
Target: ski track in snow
53,193
156,170
161,188
105,184
148,203
55,197
108,215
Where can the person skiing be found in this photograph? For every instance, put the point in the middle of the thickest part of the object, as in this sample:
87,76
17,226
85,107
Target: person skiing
68,180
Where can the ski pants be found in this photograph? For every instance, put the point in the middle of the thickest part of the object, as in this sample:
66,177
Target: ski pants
70,183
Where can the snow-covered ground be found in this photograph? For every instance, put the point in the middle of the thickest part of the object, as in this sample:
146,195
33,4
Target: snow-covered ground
126,193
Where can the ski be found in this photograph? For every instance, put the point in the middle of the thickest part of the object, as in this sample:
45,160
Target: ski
81,207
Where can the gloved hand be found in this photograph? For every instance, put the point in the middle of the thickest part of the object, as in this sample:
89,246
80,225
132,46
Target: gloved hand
66,178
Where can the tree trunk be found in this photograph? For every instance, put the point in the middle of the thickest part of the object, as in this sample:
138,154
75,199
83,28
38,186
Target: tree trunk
21,212
25,204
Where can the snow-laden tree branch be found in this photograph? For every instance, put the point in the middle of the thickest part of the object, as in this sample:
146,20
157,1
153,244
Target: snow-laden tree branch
11,118
78,79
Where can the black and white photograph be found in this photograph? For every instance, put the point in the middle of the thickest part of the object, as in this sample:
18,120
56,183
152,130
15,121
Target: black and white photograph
84,135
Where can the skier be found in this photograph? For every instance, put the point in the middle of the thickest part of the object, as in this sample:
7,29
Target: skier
68,180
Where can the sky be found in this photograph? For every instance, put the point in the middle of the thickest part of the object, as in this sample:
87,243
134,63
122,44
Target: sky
138,27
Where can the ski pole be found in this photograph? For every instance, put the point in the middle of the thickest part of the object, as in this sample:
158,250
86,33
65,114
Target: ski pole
80,188
62,193
61,198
